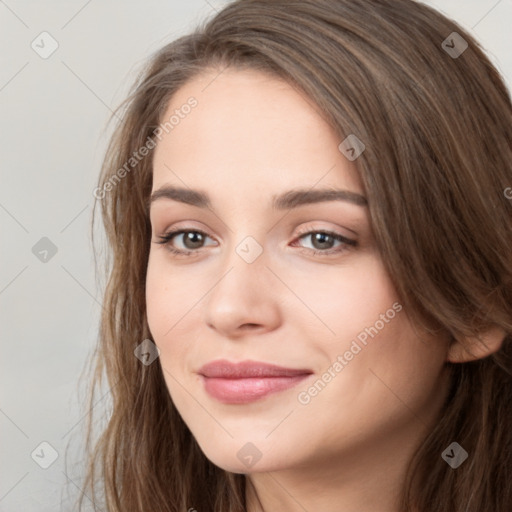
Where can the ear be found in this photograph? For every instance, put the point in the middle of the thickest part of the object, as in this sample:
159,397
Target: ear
474,348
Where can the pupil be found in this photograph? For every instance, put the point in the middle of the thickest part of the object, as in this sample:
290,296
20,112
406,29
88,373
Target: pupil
190,237
320,237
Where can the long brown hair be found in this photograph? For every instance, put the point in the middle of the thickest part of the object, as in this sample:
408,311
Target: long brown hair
436,120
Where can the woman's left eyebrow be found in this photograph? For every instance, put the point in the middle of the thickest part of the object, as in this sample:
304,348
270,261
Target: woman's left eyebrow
285,201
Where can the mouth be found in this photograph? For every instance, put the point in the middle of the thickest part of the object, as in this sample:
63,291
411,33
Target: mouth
248,381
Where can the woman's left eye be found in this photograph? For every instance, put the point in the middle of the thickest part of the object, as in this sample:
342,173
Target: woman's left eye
321,241
322,238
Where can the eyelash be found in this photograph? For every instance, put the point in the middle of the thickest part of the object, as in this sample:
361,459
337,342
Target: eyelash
167,238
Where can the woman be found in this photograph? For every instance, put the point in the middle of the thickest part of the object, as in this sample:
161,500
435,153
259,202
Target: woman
309,302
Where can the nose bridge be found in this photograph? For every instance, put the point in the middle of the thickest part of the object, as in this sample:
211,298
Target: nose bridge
243,294
244,265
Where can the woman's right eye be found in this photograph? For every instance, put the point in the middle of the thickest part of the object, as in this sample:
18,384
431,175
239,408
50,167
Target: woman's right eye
190,237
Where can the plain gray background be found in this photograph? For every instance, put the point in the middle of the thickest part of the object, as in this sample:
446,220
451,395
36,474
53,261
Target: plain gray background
53,116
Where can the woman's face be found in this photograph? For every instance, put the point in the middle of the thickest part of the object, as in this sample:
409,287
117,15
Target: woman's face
263,284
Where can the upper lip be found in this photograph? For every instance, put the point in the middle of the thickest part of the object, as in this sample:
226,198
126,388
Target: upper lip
221,368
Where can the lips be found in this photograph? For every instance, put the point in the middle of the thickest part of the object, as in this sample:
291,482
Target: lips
247,369
247,381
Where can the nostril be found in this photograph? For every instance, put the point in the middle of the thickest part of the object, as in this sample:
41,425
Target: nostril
250,326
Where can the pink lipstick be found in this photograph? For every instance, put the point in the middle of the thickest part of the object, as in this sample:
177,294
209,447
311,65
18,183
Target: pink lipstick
247,381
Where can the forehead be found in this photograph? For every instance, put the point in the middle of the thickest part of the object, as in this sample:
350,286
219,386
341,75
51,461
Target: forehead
251,130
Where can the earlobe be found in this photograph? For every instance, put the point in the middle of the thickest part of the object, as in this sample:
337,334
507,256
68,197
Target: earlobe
474,348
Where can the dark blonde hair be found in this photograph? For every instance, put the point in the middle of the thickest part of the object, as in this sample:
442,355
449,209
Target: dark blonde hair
437,128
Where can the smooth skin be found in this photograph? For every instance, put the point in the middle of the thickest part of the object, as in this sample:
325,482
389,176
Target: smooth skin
252,136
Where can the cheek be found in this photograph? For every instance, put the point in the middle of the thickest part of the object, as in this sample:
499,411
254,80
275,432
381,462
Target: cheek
392,373
159,303
170,298
165,307
392,381
382,357
173,308
347,300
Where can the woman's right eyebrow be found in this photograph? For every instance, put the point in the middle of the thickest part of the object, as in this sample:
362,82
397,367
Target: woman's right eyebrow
285,201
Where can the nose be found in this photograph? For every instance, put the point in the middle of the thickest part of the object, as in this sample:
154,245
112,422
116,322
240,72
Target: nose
244,299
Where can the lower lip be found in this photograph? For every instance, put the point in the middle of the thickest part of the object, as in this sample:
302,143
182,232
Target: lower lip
243,391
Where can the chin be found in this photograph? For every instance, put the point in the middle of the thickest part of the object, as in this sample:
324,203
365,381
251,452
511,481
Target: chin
246,457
